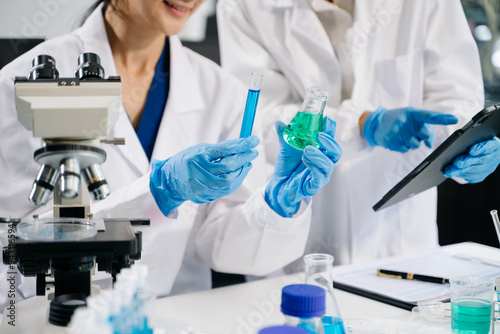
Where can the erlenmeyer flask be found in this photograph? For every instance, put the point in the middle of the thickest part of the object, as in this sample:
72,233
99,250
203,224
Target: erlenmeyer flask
319,272
304,127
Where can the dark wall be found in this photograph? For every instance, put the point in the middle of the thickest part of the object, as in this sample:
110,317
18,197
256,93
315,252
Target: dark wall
11,48
210,46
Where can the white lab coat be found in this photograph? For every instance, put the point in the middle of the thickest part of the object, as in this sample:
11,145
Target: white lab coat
238,233
416,53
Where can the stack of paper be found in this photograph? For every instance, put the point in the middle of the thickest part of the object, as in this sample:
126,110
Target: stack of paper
362,278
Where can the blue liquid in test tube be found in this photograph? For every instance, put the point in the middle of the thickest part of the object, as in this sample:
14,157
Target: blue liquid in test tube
251,105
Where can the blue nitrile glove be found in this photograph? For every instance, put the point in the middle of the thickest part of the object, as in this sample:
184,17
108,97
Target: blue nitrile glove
300,174
482,160
202,173
403,129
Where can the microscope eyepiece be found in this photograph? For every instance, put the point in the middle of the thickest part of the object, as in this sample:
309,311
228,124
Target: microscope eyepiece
43,67
89,67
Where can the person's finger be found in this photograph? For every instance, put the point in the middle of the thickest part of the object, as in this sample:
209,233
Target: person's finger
425,133
229,163
280,128
233,179
398,148
226,181
473,174
314,157
329,126
485,147
409,139
229,147
466,160
329,146
451,171
395,143
320,168
433,117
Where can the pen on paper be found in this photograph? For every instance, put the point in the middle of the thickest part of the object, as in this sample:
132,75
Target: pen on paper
496,222
410,276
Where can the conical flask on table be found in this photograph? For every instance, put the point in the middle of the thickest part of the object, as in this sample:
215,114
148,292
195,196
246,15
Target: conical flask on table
318,269
304,127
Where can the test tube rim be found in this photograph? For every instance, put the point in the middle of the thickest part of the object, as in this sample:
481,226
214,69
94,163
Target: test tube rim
256,81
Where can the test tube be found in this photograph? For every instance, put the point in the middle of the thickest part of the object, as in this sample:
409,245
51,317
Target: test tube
496,222
251,105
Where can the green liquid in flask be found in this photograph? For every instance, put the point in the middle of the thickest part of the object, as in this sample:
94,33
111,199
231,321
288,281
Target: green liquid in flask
471,316
303,129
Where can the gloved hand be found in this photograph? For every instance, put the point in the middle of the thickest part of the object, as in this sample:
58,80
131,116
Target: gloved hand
300,174
402,129
482,160
202,173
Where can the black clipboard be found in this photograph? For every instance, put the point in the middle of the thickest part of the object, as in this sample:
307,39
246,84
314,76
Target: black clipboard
379,297
429,173
375,296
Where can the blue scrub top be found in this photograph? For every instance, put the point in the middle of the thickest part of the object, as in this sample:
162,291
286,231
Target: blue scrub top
155,103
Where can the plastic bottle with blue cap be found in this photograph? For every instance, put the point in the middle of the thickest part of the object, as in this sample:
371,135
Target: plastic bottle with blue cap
303,306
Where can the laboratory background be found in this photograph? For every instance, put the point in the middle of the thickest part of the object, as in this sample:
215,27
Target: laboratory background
26,23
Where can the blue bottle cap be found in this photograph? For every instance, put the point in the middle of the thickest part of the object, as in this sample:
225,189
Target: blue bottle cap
283,330
303,300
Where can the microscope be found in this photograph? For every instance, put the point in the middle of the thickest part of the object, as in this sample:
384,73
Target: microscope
70,115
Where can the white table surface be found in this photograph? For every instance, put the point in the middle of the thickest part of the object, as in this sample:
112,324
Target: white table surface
237,309
245,308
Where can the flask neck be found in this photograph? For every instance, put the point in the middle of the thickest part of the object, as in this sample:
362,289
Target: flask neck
315,101
318,270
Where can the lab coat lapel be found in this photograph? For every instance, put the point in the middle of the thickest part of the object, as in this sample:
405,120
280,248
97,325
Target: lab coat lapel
184,103
95,40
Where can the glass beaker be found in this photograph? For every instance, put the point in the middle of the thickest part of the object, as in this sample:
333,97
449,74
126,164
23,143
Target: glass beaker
304,127
318,269
471,304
